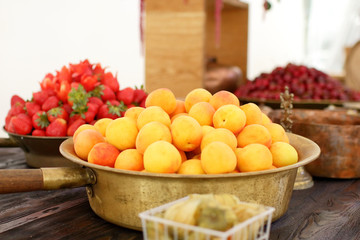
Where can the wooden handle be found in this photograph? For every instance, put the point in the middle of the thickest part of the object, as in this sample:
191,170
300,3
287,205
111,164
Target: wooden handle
26,180
20,180
7,142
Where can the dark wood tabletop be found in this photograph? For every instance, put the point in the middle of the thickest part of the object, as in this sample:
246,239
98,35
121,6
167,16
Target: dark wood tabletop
328,210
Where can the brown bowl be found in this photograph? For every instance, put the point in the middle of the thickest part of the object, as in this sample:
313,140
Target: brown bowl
338,136
39,151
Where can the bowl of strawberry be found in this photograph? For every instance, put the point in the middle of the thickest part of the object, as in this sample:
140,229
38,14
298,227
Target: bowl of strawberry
78,94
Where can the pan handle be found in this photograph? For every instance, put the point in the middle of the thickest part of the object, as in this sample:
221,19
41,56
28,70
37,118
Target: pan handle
26,180
7,142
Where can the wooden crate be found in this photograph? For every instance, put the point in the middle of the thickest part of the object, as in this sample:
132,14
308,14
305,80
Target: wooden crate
179,36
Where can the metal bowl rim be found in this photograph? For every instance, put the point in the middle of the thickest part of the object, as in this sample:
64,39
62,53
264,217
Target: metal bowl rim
81,162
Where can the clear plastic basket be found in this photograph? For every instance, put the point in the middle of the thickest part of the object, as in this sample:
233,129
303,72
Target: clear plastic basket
157,228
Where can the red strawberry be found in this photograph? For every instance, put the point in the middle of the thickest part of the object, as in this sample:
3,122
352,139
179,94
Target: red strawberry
73,126
126,95
32,108
63,91
40,97
57,112
67,108
17,108
111,81
48,82
21,124
57,128
111,111
142,103
89,82
16,99
91,112
64,75
99,72
40,120
50,103
139,95
7,122
108,94
73,117
38,132
96,100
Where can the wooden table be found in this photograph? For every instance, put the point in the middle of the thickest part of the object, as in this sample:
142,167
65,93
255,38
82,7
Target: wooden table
329,210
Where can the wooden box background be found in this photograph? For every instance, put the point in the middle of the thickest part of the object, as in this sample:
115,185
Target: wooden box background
179,36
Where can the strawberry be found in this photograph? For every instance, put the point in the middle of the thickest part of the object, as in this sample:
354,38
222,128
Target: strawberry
111,111
96,100
78,70
38,132
63,91
50,103
111,81
99,72
64,75
142,103
7,121
89,82
32,108
17,108
126,95
108,94
16,99
91,112
68,108
48,82
57,128
73,117
139,95
57,112
21,124
78,98
73,126
40,120
40,97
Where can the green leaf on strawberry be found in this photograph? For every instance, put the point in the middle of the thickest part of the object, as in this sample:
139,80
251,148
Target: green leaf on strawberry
79,98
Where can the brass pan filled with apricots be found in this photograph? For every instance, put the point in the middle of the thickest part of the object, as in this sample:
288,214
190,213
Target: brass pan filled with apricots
118,196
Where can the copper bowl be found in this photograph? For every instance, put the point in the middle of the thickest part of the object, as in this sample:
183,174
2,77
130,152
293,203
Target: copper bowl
338,136
39,151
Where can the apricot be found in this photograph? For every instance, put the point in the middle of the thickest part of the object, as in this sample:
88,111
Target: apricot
254,133
186,133
195,96
153,113
283,154
133,112
230,117
222,98
122,133
183,155
254,157
102,124
85,141
219,134
180,108
218,157
178,115
152,132
265,119
191,166
162,97
203,113
162,157
253,113
277,132
206,129
103,154
82,128
130,159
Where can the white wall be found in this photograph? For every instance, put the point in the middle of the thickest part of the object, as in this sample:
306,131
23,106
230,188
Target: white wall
40,36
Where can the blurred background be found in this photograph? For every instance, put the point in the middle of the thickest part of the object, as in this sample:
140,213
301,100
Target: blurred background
38,37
